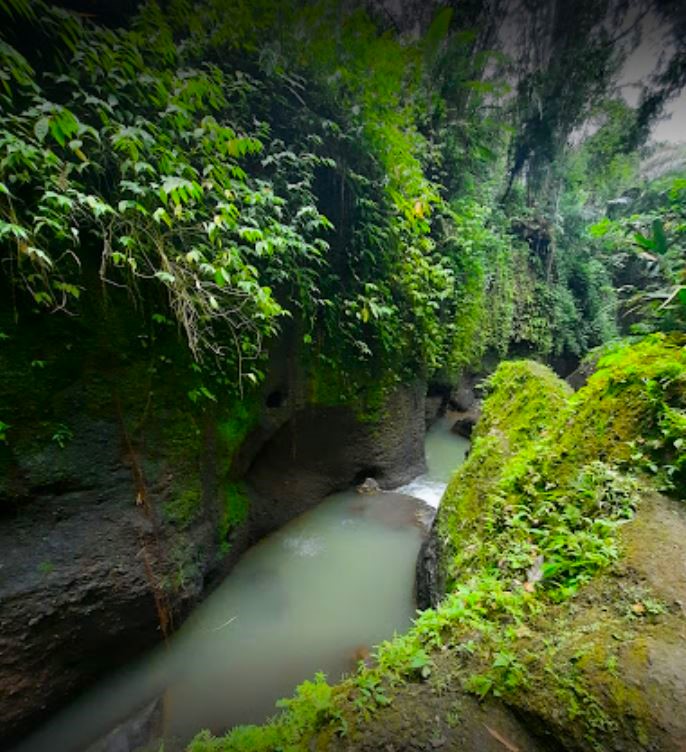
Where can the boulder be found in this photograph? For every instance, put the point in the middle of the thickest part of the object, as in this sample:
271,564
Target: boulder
582,373
463,398
465,422
323,449
621,644
435,406
368,486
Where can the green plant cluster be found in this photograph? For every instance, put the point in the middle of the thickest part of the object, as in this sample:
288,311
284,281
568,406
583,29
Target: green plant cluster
130,159
313,707
544,487
245,163
648,240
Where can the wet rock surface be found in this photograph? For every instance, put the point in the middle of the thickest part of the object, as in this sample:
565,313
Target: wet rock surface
429,584
464,405
325,449
582,373
135,733
86,573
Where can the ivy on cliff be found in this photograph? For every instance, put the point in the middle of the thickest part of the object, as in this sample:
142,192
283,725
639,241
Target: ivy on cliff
254,162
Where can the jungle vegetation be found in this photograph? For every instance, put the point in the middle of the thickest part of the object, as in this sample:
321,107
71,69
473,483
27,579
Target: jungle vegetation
415,203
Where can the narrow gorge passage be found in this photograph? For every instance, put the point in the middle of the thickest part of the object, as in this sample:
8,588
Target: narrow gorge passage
250,253
316,595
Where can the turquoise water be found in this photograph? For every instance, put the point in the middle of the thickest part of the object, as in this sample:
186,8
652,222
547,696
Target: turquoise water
445,452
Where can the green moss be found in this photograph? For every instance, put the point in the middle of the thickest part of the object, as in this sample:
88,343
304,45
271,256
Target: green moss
234,512
184,507
543,460
179,438
46,567
632,411
364,388
237,420
524,399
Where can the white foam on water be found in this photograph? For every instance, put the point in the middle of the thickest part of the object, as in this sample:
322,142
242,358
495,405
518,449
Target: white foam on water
445,452
424,488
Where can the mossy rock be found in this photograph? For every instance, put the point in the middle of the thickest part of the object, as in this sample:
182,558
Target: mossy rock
607,668
543,457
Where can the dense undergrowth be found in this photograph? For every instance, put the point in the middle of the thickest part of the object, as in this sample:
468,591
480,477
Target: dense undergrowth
223,167
247,176
196,173
529,520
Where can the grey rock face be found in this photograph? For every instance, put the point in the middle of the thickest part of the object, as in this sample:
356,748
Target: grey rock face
325,449
465,422
429,584
582,374
87,576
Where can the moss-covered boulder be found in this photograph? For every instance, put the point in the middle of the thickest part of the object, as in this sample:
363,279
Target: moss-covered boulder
559,583
546,476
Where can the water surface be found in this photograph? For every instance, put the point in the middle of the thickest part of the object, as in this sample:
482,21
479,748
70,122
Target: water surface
445,452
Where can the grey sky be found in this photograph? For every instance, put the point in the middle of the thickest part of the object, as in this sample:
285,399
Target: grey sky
641,63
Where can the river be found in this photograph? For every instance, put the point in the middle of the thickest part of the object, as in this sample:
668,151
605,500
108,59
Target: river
313,596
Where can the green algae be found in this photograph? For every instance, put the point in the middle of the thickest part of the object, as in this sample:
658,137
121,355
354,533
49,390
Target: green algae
234,512
183,508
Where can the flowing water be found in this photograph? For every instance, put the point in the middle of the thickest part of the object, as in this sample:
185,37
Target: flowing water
311,597
445,452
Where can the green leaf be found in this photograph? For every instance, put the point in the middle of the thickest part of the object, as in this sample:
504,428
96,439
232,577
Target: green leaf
41,256
659,237
16,231
165,277
41,128
160,215
644,242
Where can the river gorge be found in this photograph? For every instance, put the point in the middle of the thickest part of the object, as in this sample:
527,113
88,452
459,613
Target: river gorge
317,595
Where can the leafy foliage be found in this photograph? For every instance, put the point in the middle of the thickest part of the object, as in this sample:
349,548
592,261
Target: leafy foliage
153,174
250,177
648,248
